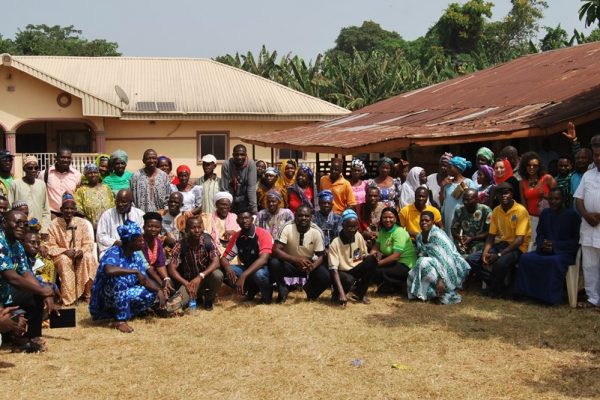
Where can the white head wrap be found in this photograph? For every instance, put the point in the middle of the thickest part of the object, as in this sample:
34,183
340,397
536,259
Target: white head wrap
223,195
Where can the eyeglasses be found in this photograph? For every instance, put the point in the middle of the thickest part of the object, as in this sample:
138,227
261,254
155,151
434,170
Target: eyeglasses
36,168
21,223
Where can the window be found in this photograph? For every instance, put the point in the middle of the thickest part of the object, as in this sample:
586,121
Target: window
214,143
286,154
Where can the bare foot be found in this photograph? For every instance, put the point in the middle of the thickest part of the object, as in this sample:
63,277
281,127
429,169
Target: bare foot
122,326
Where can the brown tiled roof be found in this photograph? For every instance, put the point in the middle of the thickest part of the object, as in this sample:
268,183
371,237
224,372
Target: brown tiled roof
530,96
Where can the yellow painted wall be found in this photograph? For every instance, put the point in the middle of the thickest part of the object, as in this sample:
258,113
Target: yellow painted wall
31,99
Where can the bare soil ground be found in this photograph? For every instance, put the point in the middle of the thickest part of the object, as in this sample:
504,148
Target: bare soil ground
390,349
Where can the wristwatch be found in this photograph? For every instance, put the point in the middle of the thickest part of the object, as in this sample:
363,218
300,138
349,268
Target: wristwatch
499,255
202,275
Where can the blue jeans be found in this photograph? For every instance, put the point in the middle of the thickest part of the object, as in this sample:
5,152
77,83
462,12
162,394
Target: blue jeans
258,281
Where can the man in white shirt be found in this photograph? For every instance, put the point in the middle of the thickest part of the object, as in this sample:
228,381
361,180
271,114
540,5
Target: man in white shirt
110,219
587,201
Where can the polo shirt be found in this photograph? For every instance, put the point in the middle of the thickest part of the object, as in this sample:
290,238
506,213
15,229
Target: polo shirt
345,256
59,183
248,247
312,240
410,217
510,224
397,240
343,195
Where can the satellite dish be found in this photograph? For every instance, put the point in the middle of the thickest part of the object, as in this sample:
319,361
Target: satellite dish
122,95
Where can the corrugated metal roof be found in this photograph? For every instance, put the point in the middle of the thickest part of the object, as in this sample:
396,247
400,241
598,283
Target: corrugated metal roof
533,95
197,87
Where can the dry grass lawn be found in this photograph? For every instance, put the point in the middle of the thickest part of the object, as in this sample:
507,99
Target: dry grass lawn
480,349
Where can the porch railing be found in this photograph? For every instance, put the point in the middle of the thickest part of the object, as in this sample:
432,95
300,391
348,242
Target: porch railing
46,160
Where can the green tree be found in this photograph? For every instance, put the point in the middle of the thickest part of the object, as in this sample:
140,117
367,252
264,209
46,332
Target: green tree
58,41
555,38
367,37
590,10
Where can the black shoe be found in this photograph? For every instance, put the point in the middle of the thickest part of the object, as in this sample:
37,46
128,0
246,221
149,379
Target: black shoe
251,293
283,294
208,305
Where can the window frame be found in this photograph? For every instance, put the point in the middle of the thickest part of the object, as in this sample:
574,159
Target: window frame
279,158
199,135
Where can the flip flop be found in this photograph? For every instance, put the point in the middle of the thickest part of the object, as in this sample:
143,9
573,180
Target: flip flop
587,305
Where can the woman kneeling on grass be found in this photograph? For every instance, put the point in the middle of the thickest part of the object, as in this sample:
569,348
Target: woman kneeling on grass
440,270
122,289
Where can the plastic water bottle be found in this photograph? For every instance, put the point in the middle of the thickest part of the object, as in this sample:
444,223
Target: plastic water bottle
192,306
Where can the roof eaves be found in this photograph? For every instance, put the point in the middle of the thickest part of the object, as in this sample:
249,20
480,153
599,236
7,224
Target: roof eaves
92,105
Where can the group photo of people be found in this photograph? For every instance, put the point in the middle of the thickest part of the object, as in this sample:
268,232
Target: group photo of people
157,242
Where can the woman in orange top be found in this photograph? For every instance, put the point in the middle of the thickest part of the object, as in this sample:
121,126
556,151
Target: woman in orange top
535,187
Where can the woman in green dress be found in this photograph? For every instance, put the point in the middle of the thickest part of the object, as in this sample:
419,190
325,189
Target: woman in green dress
93,197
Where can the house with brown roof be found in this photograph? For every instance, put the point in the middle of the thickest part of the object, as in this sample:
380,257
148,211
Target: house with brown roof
526,102
182,107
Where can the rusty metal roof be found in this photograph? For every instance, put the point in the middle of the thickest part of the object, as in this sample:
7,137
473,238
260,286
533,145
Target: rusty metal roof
530,96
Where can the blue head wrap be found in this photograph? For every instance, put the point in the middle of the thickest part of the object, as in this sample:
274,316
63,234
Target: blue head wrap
90,168
128,231
460,163
307,170
271,171
275,193
326,195
349,214
120,154
385,160
66,197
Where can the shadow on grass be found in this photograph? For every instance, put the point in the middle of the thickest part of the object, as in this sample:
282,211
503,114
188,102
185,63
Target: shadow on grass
523,325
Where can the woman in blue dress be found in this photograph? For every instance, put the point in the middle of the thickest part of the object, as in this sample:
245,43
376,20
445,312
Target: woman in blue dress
451,193
122,289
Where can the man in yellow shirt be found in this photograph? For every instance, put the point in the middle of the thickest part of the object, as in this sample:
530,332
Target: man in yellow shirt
343,196
410,215
508,238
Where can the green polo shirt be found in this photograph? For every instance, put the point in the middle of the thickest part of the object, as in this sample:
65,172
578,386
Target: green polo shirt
397,240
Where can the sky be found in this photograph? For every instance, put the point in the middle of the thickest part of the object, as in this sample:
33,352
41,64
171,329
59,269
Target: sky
200,28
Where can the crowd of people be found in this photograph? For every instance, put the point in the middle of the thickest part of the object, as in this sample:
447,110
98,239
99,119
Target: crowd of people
154,241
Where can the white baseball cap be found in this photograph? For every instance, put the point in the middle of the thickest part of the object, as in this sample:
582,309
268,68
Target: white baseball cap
209,158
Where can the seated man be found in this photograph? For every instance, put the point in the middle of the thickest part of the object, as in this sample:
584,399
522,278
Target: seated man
194,265
299,251
171,221
541,273
221,224
508,238
349,262
252,246
70,245
329,222
107,234
122,289
410,215
341,189
471,223
18,286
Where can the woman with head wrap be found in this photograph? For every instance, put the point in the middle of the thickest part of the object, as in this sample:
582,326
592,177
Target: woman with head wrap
416,177
192,195
359,187
326,219
451,193
303,190
485,180
222,223
389,187
103,164
436,181
484,156
274,216
165,164
122,288
440,270
503,172
70,245
287,173
118,178
268,182
93,197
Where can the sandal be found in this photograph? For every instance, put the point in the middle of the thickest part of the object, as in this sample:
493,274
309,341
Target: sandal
122,326
587,305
